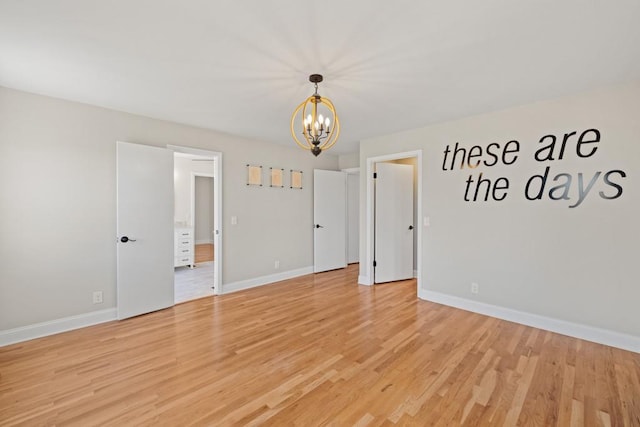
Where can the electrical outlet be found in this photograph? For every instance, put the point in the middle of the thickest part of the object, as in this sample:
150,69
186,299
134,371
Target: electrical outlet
97,297
475,288
277,264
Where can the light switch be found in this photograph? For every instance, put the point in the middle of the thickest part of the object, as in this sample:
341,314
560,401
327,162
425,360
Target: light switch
426,221
234,220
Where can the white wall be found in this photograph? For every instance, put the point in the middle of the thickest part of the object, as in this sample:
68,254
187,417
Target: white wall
58,205
204,221
349,161
540,256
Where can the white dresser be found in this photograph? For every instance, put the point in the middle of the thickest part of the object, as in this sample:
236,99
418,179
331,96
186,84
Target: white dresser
184,250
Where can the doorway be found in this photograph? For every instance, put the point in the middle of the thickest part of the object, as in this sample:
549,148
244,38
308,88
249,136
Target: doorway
197,210
367,274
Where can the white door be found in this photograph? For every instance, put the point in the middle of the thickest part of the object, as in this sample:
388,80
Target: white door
330,220
145,229
393,222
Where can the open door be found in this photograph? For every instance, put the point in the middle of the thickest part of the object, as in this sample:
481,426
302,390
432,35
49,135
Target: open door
330,220
144,229
393,222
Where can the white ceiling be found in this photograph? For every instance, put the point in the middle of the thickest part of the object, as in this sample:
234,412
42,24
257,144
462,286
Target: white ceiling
241,66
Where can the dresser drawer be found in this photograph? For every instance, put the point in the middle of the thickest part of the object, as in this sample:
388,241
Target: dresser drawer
183,243
183,246
184,233
183,260
185,251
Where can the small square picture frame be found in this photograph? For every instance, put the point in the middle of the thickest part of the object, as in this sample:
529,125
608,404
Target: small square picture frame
296,179
254,175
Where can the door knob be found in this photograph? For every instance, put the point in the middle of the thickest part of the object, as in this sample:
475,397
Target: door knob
319,226
125,239
411,227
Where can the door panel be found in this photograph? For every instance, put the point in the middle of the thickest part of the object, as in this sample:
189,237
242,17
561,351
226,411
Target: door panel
145,217
330,218
393,222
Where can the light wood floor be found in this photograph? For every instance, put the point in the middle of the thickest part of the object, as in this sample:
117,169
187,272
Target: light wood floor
317,350
203,253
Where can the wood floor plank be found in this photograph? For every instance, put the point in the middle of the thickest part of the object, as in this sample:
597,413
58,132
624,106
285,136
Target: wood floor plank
203,252
317,350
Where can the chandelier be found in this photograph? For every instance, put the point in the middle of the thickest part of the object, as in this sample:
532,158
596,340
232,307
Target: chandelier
318,121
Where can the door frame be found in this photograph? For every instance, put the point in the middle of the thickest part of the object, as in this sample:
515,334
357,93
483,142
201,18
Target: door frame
217,208
367,257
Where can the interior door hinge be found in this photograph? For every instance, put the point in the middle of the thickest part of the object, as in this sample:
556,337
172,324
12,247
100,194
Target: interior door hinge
375,175
375,263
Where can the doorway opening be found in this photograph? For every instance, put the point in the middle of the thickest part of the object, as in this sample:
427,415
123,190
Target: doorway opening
367,270
197,210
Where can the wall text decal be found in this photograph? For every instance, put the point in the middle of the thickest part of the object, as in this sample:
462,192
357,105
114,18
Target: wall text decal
554,186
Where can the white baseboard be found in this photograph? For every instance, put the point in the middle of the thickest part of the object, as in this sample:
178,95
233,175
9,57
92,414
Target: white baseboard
264,280
38,330
588,333
364,280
